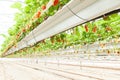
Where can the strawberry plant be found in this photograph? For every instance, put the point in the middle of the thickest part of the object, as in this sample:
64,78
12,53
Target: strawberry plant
32,15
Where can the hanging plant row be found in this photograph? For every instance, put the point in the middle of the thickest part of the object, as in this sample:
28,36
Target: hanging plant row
100,31
40,10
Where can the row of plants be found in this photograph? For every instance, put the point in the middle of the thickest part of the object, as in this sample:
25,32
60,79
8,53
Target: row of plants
30,15
102,30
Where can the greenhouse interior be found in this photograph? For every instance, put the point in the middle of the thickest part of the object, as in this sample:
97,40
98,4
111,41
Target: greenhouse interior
60,40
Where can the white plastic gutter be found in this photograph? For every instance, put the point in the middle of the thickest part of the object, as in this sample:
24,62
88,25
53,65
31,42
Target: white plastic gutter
64,19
